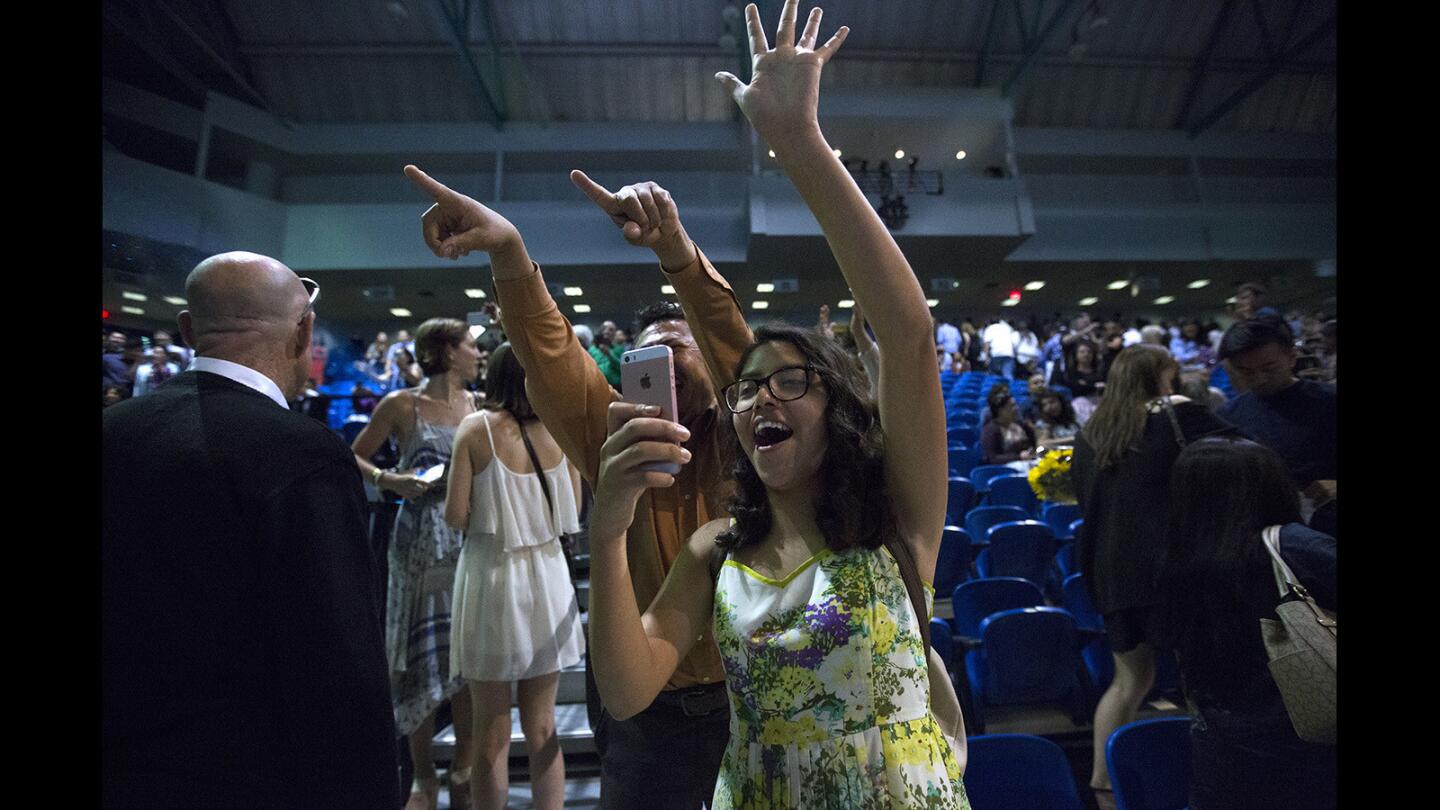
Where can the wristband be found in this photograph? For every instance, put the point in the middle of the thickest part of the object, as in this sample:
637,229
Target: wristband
375,475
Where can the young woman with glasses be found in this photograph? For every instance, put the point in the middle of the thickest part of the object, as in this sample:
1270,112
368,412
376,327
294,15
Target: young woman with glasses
823,654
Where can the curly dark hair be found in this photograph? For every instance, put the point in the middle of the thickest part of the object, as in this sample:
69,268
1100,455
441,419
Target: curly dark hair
654,313
853,506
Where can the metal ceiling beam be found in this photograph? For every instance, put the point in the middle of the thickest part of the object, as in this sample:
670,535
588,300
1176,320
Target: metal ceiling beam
460,40
487,16
1265,41
222,62
1306,42
1036,46
585,50
134,32
984,57
1202,64
1020,22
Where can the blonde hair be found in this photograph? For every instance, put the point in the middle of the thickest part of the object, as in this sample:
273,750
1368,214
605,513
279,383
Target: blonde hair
1134,379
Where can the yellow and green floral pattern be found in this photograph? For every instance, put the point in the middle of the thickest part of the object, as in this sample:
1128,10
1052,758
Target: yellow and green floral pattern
830,701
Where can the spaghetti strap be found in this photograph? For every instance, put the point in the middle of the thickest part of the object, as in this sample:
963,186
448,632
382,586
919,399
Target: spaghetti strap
415,406
485,417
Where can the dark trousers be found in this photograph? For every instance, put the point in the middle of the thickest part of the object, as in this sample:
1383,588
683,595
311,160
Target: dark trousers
666,756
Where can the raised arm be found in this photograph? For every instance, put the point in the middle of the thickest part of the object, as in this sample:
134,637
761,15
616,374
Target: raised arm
566,388
781,102
648,217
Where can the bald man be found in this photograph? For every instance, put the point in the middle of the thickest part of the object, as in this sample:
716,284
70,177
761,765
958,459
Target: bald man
244,661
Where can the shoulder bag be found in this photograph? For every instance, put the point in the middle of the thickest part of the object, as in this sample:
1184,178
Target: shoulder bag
1301,644
567,541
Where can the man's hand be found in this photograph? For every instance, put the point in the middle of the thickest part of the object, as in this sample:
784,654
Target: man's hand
784,90
457,224
647,216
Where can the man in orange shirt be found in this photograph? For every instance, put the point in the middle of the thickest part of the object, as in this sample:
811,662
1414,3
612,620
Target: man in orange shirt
669,754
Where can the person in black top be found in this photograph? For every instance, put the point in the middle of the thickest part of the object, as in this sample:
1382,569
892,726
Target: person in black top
1296,418
1121,473
243,655
1216,584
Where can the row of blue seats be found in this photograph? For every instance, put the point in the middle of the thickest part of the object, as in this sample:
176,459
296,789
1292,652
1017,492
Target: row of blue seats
1148,760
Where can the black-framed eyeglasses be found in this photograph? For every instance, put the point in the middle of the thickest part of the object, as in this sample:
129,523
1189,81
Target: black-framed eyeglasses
314,290
784,384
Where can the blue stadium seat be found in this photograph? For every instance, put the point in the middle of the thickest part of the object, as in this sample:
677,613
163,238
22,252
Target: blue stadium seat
1075,527
962,461
1060,516
960,496
352,426
1014,490
980,518
942,642
980,476
1096,653
1020,548
1018,772
1029,655
963,433
953,565
1065,560
974,601
1149,763
1064,392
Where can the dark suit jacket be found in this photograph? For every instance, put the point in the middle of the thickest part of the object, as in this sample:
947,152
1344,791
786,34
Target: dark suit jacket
244,661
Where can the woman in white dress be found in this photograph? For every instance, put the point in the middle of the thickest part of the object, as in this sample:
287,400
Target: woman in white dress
516,619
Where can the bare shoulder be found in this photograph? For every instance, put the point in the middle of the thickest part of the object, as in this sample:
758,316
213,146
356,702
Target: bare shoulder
703,540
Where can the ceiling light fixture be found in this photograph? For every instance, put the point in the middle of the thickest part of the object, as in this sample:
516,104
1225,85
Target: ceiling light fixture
400,312
667,289
133,310
1164,299
1035,285
574,292
133,296
846,303
1199,283
582,308
764,286
836,151
1089,302
474,293
176,300
772,153
1117,285
932,302
759,304
1010,302
960,155
899,154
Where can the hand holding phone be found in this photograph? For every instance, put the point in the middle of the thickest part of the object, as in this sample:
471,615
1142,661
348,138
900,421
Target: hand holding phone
647,377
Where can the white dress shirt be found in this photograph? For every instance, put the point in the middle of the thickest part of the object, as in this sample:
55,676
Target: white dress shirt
244,375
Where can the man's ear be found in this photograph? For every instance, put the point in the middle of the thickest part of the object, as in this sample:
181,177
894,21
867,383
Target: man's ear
304,334
187,327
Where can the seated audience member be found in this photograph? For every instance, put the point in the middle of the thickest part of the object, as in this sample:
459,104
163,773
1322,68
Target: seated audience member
1055,420
1196,387
114,371
1217,583
1085,377
1034,387
606,354
1006,437
151,375
1296,418
1190,349
1250,302
181,355
112,395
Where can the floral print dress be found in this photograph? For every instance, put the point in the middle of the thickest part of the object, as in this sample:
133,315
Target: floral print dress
829,691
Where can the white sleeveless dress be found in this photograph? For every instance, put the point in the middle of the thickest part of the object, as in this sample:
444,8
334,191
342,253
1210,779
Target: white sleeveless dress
515,615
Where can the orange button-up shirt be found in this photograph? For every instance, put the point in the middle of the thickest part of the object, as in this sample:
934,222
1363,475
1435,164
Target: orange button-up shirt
570,395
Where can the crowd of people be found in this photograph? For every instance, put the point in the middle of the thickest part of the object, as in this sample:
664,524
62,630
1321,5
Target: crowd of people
753,639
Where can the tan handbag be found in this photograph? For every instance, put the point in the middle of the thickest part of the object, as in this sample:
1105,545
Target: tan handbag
1301,644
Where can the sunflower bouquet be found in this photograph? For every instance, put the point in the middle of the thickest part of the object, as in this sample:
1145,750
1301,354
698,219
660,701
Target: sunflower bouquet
1051,478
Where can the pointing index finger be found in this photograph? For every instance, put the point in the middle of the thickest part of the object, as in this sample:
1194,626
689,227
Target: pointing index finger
597,193
439,192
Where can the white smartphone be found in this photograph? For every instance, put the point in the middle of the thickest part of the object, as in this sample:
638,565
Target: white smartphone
431,475
647,377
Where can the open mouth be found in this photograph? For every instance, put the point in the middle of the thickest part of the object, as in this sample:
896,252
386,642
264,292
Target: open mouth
769,433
